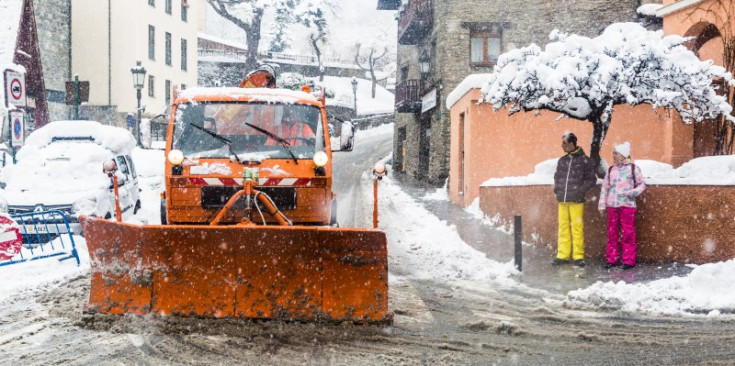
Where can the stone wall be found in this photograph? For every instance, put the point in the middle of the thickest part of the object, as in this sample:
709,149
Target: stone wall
522,21
685,224
53,23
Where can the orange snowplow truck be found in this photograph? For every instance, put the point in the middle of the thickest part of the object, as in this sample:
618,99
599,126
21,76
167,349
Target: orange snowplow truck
248,221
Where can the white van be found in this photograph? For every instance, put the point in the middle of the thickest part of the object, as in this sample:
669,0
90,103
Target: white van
60,168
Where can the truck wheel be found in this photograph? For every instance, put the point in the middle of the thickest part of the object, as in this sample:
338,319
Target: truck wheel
333,219
163,213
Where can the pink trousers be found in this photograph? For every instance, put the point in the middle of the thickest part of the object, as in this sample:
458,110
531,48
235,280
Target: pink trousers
621,217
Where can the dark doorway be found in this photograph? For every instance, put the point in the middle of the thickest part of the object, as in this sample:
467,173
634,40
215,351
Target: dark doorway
424,146
400,156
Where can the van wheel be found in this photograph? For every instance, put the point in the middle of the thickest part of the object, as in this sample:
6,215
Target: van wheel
164,221
137,207
333,217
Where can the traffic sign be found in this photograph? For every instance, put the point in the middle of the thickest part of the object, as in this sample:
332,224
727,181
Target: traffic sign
10,238
15,88
17,128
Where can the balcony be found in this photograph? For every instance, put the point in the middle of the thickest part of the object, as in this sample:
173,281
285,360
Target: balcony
415,22
407,96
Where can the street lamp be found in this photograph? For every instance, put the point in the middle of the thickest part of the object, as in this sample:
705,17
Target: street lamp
354,93
138,82
425,63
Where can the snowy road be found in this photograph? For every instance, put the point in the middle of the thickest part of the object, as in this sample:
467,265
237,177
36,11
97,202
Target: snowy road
452,306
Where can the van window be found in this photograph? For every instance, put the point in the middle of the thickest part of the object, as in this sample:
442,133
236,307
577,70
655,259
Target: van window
132,166
123,165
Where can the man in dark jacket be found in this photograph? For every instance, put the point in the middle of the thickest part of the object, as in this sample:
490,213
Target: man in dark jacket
575,175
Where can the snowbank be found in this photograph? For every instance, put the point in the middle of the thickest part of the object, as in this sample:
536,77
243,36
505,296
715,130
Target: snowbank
709,170
427,248
708,289
648,10
383,103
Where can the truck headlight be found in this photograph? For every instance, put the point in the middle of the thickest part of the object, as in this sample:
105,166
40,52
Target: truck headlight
175,157
320,158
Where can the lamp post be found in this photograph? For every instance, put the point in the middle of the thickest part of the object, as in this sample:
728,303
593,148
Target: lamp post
424,64
138,81
354,93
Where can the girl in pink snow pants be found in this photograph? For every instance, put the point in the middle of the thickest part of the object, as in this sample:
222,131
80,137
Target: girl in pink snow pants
621,186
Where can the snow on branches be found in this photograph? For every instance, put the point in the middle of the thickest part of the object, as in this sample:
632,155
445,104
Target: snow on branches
584,78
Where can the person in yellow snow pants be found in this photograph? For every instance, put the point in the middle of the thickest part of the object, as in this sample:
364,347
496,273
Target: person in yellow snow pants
571,231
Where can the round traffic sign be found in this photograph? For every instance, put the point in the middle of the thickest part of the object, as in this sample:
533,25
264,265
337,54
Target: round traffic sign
10,238
17,128
16,89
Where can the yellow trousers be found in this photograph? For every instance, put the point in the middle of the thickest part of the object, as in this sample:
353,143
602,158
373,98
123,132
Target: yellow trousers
571,231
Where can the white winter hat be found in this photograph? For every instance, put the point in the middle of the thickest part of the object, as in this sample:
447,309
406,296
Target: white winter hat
623,149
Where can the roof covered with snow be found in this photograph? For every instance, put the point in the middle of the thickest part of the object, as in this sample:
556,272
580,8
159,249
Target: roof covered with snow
223,41
474,81
116,139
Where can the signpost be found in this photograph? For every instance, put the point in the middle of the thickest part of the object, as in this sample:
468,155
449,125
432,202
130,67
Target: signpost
17,130
428,101
15,89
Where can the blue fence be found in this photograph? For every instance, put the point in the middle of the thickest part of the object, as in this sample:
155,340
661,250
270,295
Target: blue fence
45,234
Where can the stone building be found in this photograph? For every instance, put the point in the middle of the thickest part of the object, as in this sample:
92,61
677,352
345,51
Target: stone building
440,42
53,20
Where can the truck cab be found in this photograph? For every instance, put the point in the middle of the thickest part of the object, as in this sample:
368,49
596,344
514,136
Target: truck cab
217,136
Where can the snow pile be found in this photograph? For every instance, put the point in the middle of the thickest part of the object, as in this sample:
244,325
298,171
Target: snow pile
149,163
708,289
648,10
474,81
375,131
440,194
709,170
383,103
41,273
543,174
425,247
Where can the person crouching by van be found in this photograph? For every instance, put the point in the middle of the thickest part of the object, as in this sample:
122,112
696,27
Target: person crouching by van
575,175
623,183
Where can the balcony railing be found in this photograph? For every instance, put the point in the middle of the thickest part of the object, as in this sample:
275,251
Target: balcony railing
415,21
407,96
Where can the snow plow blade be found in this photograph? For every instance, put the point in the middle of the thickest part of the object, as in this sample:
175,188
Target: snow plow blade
295,273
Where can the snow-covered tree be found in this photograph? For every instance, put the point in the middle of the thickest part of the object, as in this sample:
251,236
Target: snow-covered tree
584,78
317,39
249,16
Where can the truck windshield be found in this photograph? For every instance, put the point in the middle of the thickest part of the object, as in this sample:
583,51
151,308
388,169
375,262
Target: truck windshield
299,125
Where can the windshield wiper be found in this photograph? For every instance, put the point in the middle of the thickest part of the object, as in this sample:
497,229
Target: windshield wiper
219,137
272,135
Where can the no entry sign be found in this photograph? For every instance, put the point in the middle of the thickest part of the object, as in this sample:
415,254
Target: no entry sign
15,88
17,128
10,238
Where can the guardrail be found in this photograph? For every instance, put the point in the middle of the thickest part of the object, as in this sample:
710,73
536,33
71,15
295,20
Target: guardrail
44,236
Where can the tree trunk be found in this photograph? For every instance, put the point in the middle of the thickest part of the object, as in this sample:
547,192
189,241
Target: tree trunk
598,136
253,41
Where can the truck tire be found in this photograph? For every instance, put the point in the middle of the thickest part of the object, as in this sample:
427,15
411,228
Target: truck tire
333,219
164,221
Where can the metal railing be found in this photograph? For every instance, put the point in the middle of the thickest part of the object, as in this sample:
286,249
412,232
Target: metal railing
43,236
408,91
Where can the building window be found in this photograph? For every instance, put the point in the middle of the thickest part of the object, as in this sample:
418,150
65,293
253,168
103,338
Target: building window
183,86
151,86
152,3
184,11
485,47
168,6
151,42
183,54
168,92
168,48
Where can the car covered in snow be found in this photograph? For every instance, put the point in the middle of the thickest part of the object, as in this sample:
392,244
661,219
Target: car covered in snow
60,168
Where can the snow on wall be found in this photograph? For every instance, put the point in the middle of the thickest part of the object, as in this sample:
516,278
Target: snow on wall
649,10
474,81
709,170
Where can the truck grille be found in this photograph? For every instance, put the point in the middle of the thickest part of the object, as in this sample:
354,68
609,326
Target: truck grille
217,197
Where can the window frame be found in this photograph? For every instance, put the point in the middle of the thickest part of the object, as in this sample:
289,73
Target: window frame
168,59
151,42
151,86
184,12
152,3
168,7
184,56
167,89
485,35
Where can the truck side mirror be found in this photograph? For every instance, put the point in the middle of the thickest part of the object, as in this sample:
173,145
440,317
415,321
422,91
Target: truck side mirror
347,136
